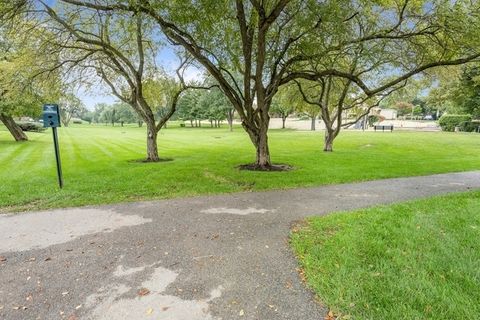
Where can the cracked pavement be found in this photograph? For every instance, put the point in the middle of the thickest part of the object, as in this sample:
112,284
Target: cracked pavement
211,257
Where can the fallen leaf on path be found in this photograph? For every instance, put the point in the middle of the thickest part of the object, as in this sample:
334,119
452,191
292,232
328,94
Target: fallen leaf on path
143,292
3,258
165,308
47,259
149,311
241,313
330,316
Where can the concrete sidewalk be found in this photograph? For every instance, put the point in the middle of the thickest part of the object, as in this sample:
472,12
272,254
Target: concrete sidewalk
218,257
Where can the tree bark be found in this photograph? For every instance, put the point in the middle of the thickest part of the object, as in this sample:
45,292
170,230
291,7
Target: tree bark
263,152
259,139
283,122
330,135
312,125
152,149
14,128
230,119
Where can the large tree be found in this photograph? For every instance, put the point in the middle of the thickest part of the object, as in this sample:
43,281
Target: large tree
22,91
267,42
271,43
376,50
117,48
70,106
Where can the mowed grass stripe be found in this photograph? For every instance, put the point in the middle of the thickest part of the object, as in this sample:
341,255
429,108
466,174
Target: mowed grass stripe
98,166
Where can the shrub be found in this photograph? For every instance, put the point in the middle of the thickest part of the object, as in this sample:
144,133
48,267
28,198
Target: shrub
469,126
448,122
31,126
77,121
374,118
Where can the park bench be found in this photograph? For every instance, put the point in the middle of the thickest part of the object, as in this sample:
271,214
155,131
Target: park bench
383,127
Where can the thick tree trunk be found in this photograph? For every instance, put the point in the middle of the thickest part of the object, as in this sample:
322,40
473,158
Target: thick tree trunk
14,128
329,137
263,152
259,138
152,149
312,125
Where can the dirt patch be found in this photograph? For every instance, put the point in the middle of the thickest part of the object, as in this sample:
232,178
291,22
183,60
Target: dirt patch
271,168
150,161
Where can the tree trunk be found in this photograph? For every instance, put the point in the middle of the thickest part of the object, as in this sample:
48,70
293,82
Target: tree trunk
211,123
283,122
312,125
259,138
230,119
329,137
152,149
263,152
191,123
14,128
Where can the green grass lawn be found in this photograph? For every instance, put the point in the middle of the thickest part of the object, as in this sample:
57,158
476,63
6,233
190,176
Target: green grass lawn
417,260
99,166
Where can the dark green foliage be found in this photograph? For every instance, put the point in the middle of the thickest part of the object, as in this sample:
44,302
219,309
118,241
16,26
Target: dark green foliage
469,126
31,126
448,122
467,94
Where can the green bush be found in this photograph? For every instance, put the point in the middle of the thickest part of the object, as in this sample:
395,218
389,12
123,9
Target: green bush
31,126
448,122
469,126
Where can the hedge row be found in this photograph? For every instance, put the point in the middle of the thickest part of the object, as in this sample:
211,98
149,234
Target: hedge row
448,122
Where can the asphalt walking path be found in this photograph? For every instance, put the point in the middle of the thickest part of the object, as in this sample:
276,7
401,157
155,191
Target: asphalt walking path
215,257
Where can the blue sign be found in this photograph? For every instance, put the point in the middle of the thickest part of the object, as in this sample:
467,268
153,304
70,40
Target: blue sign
51,116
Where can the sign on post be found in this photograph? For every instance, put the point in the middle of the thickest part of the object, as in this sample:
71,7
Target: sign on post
51,116
51,119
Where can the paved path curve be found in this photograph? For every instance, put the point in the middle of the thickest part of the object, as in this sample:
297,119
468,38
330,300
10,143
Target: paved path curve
217,257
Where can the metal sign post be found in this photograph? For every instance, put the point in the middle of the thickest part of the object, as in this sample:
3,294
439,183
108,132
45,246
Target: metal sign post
51,119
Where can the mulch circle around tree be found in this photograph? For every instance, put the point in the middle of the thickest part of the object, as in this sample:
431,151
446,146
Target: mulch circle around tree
271,168
149,161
